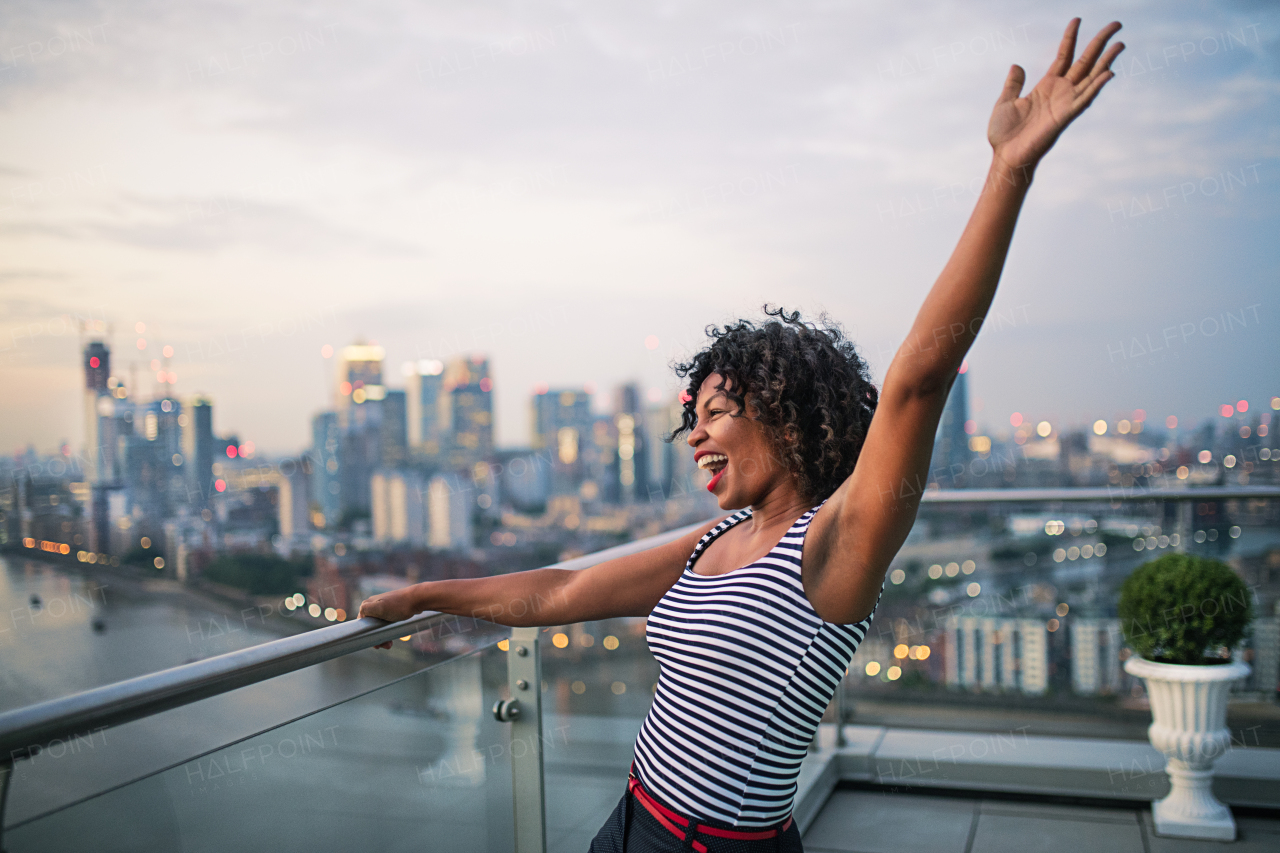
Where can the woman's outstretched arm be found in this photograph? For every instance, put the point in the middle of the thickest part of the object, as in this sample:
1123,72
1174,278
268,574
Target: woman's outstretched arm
852,542
626,586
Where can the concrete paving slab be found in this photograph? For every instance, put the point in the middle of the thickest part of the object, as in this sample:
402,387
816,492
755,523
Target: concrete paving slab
1001,833
891,823
1253,835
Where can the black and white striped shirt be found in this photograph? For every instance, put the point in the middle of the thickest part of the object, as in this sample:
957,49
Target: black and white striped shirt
747,670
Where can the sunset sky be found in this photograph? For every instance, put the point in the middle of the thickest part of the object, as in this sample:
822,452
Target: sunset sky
577,190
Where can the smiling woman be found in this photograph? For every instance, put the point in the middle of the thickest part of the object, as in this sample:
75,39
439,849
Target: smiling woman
825,477
810,392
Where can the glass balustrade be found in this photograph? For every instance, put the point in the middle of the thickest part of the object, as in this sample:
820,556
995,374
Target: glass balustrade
419,764
599,680
998,616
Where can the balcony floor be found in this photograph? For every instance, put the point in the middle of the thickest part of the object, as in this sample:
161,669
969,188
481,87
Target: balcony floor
881,821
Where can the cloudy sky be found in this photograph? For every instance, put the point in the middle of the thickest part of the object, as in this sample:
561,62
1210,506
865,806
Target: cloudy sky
558,184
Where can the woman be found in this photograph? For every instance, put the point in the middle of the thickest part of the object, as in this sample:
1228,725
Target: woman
754,618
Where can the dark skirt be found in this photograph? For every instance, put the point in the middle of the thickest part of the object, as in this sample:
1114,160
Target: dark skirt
632,829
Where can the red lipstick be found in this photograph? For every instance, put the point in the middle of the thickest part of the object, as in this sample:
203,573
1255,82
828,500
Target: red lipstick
711,486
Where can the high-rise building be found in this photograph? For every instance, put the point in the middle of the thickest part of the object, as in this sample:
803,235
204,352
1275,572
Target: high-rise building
1095,655
674,473
563,429
468,411
951,442
449,513
360,450
360,374
629,473
148,458
294,506
423,390
360,394
393,436
990,653
1266,654
97,372
523,478
326,456
399,514
117,534
162,425
198,447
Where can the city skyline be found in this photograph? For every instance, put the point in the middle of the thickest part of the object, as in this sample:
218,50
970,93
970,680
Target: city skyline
997,425
599,180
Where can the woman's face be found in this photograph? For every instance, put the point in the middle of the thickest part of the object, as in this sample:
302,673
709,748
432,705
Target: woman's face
736,450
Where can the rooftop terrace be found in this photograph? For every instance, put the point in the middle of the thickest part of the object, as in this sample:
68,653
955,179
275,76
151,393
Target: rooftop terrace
885,821
237,750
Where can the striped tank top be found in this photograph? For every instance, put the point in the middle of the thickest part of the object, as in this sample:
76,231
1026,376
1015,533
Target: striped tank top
747,670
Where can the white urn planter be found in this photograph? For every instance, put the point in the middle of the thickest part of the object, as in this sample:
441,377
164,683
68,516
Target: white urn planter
1189,711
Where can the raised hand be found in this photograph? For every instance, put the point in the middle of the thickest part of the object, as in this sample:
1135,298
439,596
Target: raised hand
1022,129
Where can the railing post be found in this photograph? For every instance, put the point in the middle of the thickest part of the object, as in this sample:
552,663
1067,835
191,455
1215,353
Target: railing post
1186,520
6,773
840,738
524,678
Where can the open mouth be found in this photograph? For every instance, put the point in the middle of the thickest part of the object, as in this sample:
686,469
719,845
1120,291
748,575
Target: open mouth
717,463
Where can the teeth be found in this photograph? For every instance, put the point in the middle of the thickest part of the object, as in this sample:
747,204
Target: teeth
710,459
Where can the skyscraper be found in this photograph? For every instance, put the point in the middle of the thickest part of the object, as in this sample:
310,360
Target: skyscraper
632,465
97,370
293,507
1095,655
360,450
326,488
360,394
399,513
197,446
449,514
990,653
101,444
951,442
562,429
673,470
147,456
393,449
360,374
468,413
423,398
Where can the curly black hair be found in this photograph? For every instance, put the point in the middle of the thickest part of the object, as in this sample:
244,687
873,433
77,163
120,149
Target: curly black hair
809,389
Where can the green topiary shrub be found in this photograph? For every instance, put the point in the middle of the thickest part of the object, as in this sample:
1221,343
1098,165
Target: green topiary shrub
1184,609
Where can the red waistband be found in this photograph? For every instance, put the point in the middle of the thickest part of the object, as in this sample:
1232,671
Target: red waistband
671,820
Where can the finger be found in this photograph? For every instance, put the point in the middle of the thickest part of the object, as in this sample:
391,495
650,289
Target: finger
1013,84
1101,68
1091,53
1108,58
1066,50
1086,98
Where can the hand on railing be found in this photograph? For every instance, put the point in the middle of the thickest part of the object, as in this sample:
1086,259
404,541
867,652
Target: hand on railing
394,606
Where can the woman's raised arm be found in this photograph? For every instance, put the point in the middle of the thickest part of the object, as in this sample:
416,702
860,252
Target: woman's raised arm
1021,132
853,541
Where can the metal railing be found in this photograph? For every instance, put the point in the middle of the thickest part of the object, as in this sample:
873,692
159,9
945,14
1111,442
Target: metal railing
1085,494
26,731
